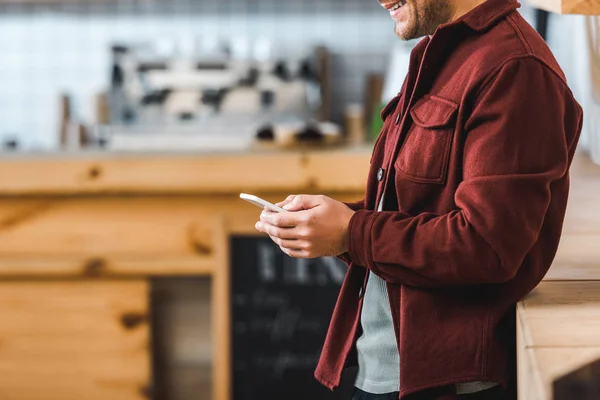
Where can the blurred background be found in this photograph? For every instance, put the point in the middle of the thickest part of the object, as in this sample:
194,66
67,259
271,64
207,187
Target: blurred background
133,50
140,62
127,129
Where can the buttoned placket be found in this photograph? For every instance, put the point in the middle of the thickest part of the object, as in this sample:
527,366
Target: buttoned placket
433,54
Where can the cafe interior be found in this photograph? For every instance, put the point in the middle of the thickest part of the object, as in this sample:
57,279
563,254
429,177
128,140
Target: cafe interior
130,269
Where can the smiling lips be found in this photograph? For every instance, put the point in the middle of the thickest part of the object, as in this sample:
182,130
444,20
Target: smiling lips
391,7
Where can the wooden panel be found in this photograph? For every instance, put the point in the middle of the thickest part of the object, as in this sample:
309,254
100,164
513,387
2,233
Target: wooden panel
208,174
77,340
69,266
582,213
221,318
578,256
562,271
120,226
575,304
586,7
579,220
558,325
118,236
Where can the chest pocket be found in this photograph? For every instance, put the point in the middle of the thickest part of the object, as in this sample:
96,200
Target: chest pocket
425,153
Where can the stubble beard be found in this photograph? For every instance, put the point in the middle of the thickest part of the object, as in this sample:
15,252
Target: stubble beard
425,17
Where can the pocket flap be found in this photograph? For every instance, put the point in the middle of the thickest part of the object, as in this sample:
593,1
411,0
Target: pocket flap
433,112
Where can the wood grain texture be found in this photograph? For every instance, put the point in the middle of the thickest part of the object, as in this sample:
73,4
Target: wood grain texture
36,267
585,7
80,341
563,314
557,332
119,236
325,171
138,216
562,271
578,256
582,216
221,316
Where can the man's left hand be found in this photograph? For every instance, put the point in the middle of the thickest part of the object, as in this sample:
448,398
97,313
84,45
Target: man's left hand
315,226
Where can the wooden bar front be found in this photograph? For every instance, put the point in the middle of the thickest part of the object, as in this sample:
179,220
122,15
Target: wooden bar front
81,236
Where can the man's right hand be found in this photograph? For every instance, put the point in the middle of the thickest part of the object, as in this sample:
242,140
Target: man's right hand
291,205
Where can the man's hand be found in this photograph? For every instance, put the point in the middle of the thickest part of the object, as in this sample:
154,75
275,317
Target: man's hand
316,226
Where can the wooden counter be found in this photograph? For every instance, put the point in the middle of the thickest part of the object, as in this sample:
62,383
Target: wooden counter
81,236
558,324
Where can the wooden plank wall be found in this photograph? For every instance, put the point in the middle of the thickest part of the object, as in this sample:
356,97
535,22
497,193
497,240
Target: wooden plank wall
85,341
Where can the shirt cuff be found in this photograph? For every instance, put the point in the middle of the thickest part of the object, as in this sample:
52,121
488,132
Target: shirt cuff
359,238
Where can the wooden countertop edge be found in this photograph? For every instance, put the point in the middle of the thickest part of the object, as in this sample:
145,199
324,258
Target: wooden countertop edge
212,174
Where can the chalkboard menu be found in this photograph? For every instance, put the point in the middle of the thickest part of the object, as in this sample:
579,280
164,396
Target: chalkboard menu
281,308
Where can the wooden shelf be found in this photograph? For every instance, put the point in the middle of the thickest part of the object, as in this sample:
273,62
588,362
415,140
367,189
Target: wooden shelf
585,7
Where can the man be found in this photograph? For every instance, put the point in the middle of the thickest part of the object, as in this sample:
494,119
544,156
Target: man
463,211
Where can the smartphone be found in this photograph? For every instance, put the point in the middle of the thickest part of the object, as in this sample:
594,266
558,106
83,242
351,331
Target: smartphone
257,201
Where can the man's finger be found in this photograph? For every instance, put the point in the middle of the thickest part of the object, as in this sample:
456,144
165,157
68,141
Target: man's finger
282,220
295,253
281,233
304,202
295,245
287,201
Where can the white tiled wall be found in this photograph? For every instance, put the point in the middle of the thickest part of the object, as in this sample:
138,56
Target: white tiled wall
46,50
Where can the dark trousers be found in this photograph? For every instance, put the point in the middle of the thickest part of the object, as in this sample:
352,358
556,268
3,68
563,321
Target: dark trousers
360,395
445,393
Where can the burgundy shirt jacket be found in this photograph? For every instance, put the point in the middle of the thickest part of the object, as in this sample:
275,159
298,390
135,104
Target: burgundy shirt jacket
474,160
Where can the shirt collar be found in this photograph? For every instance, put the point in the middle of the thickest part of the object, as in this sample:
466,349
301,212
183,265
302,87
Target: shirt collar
486,14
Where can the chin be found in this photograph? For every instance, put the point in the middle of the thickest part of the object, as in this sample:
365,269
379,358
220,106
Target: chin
404,31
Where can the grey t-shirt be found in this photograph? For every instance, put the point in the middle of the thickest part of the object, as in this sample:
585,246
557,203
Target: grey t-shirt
378,359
